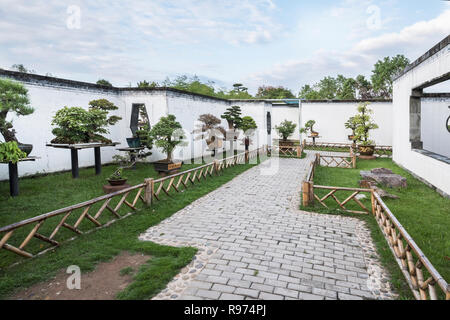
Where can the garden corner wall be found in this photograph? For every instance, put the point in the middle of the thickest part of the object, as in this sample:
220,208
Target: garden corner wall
431,68
330,117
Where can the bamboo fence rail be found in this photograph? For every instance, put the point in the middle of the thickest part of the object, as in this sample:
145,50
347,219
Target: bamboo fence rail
146,193
380,150
286,151
422,277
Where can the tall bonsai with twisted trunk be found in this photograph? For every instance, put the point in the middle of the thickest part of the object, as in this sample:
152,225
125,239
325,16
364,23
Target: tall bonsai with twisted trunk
209,129
168,134
13,98
233,117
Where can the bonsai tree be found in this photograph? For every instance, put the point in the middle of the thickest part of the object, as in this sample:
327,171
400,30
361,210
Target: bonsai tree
248,125
209,130
13,98
352,125
77,125
167,134
233,117
364,124
309,127
286,129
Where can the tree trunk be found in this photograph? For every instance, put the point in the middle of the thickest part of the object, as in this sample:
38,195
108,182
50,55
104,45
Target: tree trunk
9,135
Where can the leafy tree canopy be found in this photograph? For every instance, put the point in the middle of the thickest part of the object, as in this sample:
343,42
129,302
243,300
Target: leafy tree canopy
103,82
269,92
342,88
383,73
248,125
21,68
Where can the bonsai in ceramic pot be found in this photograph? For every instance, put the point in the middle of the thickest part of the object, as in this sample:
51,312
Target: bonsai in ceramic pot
14,99
285,130
352,125
364,124
167,134
117,178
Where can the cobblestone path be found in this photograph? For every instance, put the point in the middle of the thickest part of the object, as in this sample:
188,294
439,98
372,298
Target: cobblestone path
254,243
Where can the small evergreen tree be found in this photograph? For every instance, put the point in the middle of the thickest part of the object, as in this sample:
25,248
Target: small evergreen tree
286,129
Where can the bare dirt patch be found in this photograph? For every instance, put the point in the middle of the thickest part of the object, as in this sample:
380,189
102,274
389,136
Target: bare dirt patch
101,284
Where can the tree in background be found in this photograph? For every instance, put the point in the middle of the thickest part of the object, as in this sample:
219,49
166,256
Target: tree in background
22,68
103,82
342,88
146,84
269,92
383,73
13,98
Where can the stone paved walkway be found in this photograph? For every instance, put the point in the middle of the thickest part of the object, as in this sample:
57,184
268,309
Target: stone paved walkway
255,244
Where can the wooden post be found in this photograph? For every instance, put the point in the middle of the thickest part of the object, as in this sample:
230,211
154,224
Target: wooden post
149,191
13,179
304,144
354,161
74,158
317,159
98,161
372,199
299,151
216,166
306,193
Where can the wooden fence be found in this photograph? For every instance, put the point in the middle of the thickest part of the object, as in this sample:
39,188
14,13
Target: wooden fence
380,151
286,151
144,193
423,279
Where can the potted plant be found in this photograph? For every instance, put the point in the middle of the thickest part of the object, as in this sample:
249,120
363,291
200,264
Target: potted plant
209,129
10,152
233,117
13,98
117,178
309,127
167,134
248,125
364,123
77,125
352,125
285,130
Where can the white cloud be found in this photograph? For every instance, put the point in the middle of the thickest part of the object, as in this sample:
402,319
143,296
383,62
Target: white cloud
412,41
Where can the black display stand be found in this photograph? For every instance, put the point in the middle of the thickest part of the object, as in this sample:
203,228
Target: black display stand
74,154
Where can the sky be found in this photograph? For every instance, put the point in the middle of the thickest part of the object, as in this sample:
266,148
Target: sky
254,42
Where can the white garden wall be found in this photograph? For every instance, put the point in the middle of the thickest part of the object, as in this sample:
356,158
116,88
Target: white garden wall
47,95
434,65
435,136
331,116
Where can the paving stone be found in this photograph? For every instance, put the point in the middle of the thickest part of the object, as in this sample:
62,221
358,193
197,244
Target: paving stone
254,223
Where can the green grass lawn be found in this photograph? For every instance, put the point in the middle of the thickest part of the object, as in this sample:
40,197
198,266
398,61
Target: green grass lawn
43,194
422,211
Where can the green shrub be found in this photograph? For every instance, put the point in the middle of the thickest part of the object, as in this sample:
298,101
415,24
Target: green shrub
10,152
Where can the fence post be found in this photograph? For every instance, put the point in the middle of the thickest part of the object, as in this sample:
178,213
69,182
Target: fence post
216,166
149,191
317,159
354,161
299,151
372,199
305,193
